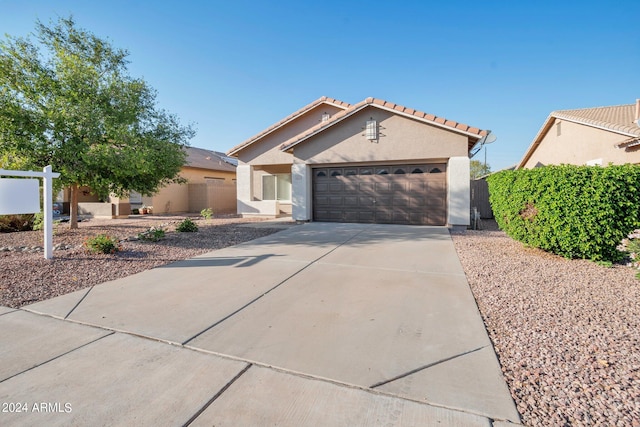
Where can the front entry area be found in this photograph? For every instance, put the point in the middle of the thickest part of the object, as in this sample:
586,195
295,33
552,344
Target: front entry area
394,194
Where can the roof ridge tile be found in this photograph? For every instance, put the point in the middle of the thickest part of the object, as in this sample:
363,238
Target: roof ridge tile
370,101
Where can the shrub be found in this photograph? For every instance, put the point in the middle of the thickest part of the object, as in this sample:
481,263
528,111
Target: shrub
102,243
573,211
206,213
152,235
38,221
187,226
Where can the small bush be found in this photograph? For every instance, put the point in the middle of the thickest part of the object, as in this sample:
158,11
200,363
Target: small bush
206,213
38,221
152,235
102,243
187,226
573,211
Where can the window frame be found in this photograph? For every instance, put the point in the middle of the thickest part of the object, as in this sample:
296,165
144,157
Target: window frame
277,177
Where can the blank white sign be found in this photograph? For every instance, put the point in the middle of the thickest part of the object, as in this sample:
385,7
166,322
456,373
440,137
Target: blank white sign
19,196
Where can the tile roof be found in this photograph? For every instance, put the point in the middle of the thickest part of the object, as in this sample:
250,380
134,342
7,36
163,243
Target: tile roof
616,118
207,159
289,118
473,133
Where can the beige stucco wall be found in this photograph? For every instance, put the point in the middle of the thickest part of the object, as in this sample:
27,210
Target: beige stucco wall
220,197
174,198
197,176
578,144
401,139
267,150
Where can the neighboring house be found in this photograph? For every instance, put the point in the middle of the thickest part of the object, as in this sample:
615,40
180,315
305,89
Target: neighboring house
588,136
374,162
211,182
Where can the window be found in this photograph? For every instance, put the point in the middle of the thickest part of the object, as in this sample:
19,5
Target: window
417,170
366,171
321,174
212,180
382,172
399,172
350,172
135,197
371,130
336,173
276,187
435,170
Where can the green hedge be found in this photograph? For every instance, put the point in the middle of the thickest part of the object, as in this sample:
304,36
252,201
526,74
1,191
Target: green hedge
573,211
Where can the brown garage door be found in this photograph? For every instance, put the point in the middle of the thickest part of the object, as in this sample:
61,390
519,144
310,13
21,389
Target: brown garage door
398,194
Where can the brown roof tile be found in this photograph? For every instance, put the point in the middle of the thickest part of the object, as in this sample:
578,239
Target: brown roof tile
207,159
476,133
618,118
286,120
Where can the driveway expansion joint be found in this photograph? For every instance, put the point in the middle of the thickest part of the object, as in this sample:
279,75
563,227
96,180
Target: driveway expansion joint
217,395
259,297
78,303
427,366
57,357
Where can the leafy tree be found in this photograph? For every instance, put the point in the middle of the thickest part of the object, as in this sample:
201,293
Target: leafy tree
479,169
68,101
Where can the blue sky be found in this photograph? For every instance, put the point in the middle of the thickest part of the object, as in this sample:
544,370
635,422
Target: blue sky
235,67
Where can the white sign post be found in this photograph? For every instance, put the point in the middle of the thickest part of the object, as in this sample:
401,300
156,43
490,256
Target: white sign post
21,196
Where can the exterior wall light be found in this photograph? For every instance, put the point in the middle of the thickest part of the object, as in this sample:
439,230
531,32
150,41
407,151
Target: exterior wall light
371,129
326,117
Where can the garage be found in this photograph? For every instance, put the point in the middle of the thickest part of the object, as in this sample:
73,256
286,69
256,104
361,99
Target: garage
384,194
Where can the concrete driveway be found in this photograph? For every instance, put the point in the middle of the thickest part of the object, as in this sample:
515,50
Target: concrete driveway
320,324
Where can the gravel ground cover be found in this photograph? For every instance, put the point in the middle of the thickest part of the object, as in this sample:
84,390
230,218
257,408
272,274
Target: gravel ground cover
26,277
567,332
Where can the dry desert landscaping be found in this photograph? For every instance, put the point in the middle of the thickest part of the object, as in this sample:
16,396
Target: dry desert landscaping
567,332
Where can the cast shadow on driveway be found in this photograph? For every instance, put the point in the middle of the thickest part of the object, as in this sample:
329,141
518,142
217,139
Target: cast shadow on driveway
238,261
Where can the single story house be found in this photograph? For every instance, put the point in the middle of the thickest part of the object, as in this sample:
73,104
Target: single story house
211,183
587,136
373,162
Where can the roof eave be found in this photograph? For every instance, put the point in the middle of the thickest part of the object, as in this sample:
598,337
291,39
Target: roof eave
536,141
558,115
431,122
287,146
594,125
324,100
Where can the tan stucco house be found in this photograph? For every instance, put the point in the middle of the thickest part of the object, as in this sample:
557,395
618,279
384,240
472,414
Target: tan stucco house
588,136
373,162
211,182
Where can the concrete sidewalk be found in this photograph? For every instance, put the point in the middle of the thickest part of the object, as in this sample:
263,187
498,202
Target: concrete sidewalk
319,324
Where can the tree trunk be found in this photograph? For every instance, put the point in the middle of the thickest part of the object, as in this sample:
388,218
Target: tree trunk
73,207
